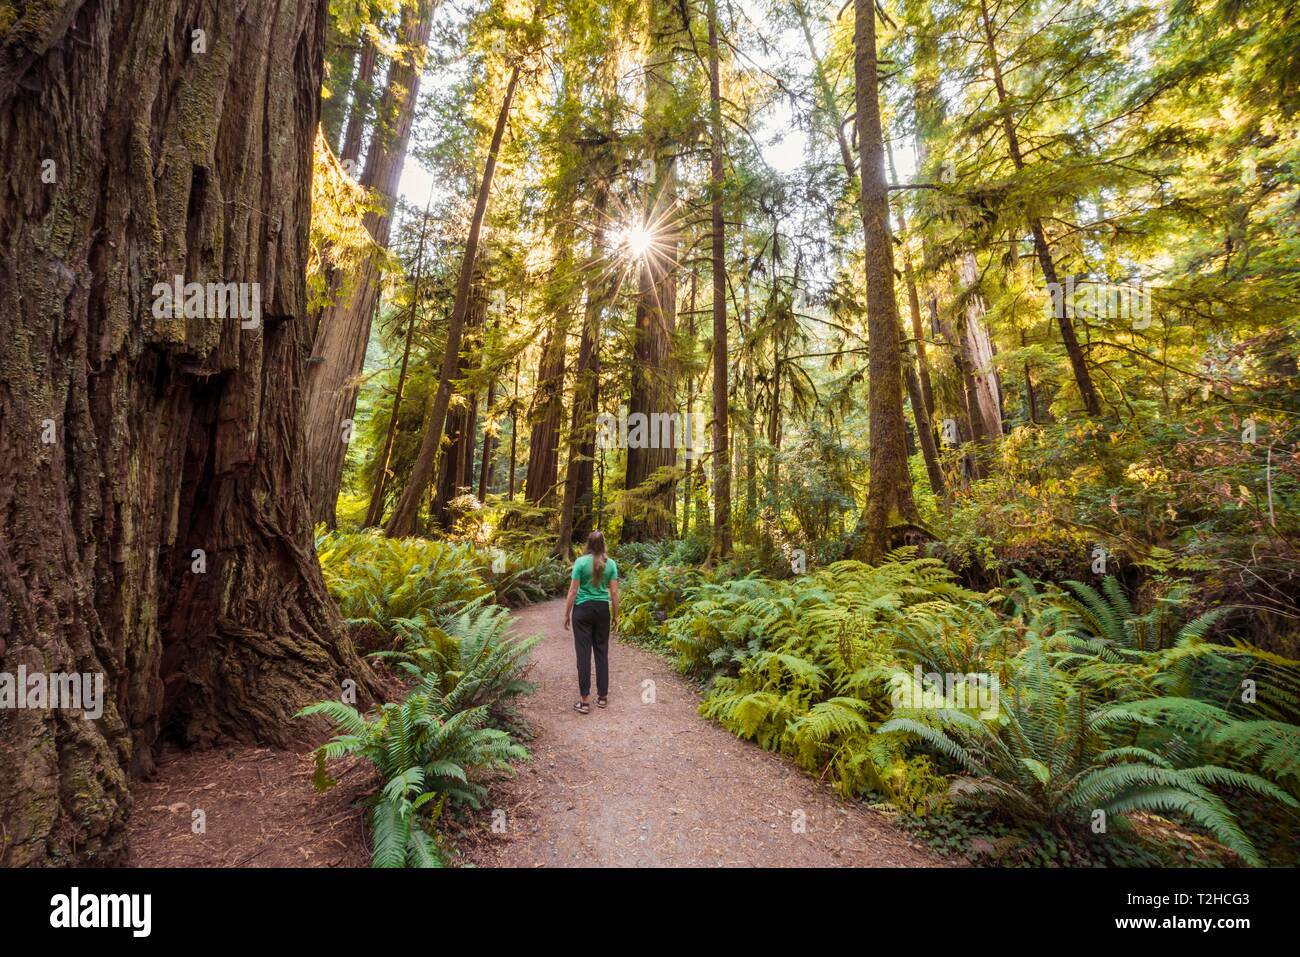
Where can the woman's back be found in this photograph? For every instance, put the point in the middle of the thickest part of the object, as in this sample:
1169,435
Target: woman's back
589,590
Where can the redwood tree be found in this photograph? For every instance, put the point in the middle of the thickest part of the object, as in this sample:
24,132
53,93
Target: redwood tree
651,504
721,447
339,350
889,496
153,526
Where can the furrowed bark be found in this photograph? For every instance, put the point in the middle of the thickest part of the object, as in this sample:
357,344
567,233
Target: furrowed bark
652,514
130,437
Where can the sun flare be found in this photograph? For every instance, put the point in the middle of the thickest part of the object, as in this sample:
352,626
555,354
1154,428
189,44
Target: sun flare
636,240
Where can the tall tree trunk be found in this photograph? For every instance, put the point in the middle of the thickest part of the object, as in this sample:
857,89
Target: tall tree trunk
721,440
575,513
1082,377
339,352
455,466
375,513
404,515
359,112
485,461
652,515
919,389
774,411
970,423
978,349
916,372
889,496
751,455
547,412
514,433
547,415
133,437
1031,401
688,483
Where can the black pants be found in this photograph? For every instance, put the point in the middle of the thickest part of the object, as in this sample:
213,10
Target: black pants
591,634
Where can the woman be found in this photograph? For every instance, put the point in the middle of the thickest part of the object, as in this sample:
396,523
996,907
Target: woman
592,606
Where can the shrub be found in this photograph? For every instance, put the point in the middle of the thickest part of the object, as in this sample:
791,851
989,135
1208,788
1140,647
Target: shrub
427,753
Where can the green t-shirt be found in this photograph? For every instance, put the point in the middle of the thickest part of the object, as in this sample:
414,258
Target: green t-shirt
587,590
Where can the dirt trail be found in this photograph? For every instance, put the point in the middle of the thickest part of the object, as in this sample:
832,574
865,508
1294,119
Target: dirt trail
654,784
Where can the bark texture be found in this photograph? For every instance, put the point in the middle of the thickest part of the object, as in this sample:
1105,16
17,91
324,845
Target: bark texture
978,349
889,497
575,510
166,434
456,464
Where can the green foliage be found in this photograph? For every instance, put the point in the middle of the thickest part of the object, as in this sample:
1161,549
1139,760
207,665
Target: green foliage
805,667
397,585
473,659
1053,758
427,752
435,747
651,595
1101,705
521,578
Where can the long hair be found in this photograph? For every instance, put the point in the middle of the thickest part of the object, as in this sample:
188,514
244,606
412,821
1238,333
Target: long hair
596,549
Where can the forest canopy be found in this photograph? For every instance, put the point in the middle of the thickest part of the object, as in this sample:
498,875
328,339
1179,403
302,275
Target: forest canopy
879,338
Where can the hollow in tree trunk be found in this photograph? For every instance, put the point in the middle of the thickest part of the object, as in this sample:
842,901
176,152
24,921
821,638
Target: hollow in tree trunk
153,527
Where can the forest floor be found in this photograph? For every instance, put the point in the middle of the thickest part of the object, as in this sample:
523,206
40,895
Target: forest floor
646,782
259,810
652,783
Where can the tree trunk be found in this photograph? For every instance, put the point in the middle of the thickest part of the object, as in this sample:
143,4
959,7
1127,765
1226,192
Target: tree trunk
651,514
359,114
339,352
485,461
404,515
1082,377
133,437
688,484
721,446
547,414
375,513
455,466
514,433
575,513
978,349
889,497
